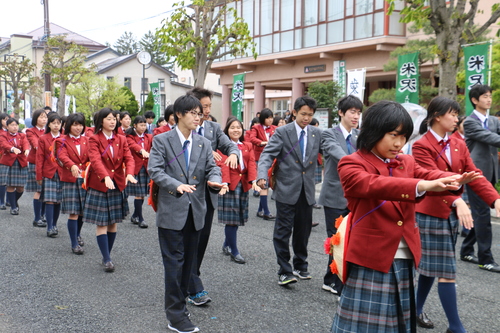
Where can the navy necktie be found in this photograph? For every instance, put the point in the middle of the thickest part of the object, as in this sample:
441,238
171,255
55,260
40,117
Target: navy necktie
486,123
348,143
301,143
200,130
186,154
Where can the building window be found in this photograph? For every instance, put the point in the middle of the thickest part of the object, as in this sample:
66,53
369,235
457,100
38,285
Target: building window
144,84
127,82
162,84
109,78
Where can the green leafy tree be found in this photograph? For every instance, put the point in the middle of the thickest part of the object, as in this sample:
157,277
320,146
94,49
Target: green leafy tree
326,94
150,43
65,62
149,103
127,44
198,34
426,93
17,71
453,25
131,105
95,92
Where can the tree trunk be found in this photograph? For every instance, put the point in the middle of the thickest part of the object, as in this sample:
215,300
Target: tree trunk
448,42
61,102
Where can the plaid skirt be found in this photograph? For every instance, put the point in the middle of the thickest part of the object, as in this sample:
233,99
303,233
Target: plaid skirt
73,197
105,208
14,175
141,188
318,174
233,207
438,237
31,184
51,189
373,301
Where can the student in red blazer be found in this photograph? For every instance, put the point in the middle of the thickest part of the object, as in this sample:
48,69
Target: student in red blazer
169,117
124,123
46,173
39,120
438,217
381,188
3,188
72,154
259,136
233,206
14,163
112,167
139,143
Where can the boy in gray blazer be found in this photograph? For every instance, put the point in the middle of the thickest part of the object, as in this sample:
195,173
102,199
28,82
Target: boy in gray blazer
296,147
482,135
336,143
182,165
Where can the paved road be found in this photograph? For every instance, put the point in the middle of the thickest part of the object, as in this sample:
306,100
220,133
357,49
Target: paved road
45,288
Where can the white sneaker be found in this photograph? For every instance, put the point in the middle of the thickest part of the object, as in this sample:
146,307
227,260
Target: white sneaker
330,288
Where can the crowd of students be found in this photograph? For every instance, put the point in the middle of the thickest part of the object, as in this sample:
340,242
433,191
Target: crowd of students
198,167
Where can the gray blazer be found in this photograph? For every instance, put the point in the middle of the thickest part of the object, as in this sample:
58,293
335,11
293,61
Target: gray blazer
293,173
334,148
220,141
173,207
482,144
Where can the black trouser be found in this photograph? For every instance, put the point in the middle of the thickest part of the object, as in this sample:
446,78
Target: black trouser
178,250
331,214
292,219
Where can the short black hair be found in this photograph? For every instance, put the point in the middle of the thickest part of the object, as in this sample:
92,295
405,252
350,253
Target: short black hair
36,115
349,102
158,121
185,104
276,120
123,114
11,120
3,116
200,92
137,120
169,110
47,108
460,121
303,101
438,106
229,123
149,114
264,114
477,91
381,118
313,122
99,117
74,118
53,116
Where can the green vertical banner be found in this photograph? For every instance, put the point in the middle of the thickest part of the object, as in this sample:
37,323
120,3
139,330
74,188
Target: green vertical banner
476,70
237,95
408,77
339,74
155,90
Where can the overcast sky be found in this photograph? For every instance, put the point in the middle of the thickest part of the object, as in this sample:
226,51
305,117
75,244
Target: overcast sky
100,20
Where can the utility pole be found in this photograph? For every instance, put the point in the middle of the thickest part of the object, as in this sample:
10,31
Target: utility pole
46,30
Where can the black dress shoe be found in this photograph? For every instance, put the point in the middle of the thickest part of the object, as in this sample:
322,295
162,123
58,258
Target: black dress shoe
143,225
448,331
316,206
134,220
260,214
77,250
51,233
315,224
238,259
470,258
14,211
80,241
39,224
109,267
424,321
269,217
3,207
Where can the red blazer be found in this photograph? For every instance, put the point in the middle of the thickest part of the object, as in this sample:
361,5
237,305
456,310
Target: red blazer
67,156
375,234
134,144
162,129
45,167
457,135
256,135
234,176
103,163
6,144
33,134
89,131
427,153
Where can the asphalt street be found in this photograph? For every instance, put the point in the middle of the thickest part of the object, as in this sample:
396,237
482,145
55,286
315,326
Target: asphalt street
46,288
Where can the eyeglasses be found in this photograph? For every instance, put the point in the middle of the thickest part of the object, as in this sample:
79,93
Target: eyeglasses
196,114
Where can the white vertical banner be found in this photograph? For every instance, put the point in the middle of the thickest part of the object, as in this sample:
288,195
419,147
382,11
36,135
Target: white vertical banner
54,103
74,104
356,83
27,109
67,101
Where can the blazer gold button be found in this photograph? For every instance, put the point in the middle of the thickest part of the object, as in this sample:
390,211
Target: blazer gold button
459,170
194,177
445,201
407,196
402,196
400,223
456,149
310,162
446,169
182,175
113,170
401,168
240,174
296,161
303,172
